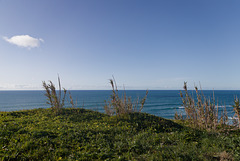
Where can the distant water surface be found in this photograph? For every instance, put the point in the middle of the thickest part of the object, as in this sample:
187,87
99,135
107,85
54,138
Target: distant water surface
162,103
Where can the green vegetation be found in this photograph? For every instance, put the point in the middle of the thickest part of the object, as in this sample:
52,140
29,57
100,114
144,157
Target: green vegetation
123,133
79,134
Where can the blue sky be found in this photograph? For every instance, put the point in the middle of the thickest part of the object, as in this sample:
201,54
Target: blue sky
152,44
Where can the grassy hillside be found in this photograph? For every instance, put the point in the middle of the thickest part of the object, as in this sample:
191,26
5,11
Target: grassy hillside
79,134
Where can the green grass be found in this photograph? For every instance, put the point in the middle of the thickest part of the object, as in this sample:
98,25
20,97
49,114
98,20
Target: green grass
80,134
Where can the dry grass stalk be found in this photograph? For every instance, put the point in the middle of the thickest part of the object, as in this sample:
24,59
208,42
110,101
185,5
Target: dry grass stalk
236,108
202,112
54,99
71,100
118,106
178,116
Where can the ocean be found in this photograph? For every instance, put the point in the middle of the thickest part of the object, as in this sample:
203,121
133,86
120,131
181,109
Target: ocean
163,103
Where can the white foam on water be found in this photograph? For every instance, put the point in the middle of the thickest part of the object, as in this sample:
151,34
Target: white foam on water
181,107
231,118
225,106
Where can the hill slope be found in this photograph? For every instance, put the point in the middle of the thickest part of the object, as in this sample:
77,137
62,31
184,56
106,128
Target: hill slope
88,135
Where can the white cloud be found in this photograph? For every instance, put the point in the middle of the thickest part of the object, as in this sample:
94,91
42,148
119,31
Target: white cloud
24,41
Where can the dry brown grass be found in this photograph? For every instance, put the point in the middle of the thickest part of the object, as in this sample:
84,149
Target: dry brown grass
121,105
54,96
200,111
224,156
236,108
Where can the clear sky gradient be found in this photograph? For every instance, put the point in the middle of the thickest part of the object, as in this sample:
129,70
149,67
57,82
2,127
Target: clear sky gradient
151,44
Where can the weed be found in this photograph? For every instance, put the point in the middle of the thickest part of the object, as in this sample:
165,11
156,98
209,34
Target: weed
236,109
71,100
200,111
118,106
56,101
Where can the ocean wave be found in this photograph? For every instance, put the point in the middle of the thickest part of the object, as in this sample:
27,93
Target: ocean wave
216,106
181,107
161,105
231,118
225,106
162,108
